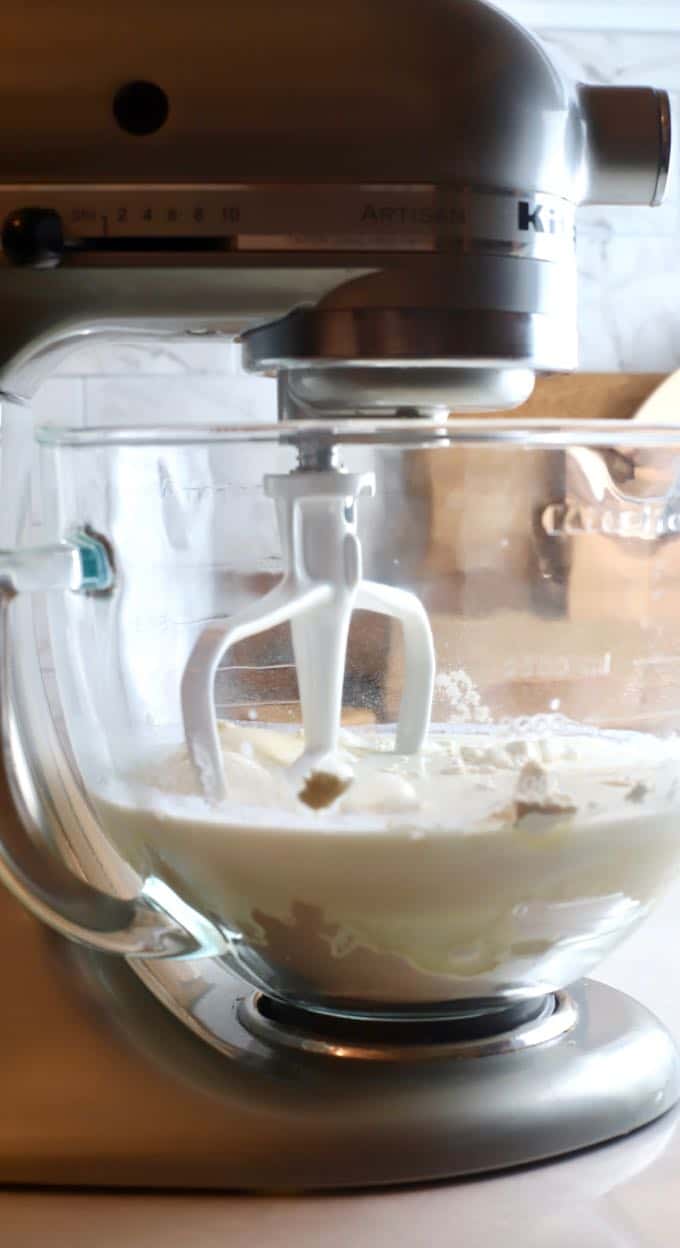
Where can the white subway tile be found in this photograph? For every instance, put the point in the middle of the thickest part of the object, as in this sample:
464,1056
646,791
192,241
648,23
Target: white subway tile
181,399
59,401
589,15
123,359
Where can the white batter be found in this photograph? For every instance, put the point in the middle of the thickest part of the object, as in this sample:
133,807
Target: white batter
498,859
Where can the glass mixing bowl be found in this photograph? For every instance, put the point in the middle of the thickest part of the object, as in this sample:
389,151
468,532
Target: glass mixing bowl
539,824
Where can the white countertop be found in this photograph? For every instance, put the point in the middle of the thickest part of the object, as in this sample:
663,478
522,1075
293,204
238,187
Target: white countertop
625,1195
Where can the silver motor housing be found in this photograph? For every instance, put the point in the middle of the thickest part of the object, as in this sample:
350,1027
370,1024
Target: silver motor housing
380,196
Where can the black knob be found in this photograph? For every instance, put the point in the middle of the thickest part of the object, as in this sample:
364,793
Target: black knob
33,238
141,107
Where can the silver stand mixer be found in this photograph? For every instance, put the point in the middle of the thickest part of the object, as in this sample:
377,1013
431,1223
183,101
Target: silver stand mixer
379,201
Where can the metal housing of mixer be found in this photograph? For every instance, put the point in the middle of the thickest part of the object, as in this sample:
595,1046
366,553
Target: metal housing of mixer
403,174
379,200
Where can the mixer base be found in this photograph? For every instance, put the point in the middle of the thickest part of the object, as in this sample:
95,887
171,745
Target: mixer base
127,1096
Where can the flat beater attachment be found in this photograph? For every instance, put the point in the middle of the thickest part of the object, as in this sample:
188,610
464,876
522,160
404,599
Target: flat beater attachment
321,586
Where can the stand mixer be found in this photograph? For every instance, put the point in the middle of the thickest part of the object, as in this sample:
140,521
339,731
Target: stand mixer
379,201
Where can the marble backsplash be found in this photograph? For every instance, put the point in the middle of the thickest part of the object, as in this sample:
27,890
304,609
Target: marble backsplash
629,259
629,264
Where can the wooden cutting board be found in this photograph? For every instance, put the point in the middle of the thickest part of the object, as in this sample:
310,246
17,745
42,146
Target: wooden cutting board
590,396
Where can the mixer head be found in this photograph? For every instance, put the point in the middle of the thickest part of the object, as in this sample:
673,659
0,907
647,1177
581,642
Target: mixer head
388,220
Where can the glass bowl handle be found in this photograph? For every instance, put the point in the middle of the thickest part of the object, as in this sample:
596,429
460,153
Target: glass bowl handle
142,927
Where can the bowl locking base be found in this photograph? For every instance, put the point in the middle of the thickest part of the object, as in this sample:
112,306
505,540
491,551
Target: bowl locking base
360,1104
241,1095
409,1040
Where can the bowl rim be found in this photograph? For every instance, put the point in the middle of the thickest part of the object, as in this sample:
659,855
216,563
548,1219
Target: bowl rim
457,432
